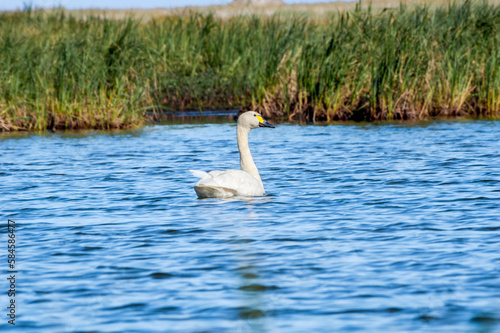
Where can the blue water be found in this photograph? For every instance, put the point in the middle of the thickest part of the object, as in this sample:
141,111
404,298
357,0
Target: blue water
368,227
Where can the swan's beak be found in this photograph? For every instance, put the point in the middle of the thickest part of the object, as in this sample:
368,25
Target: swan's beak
265,123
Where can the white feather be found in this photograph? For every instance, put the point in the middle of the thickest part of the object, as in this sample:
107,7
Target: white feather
199,174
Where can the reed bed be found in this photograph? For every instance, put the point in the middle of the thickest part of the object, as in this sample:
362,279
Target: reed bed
58,71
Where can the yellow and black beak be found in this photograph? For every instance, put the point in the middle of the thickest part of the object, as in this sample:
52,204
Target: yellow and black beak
264,123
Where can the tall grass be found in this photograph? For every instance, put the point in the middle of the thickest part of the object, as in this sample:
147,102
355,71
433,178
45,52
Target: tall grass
57,71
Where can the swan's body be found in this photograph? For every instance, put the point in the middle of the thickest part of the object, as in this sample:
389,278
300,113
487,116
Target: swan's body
225,184
244,182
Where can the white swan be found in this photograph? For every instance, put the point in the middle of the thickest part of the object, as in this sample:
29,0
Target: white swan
244,182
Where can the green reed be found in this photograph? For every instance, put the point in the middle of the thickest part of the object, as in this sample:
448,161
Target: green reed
59,71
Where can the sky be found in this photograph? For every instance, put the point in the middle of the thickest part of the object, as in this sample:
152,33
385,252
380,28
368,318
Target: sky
121,4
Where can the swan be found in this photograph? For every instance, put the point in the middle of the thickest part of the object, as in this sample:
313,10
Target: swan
244,182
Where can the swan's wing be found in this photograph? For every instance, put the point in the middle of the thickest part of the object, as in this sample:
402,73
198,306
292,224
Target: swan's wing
202,174
206,188
216,173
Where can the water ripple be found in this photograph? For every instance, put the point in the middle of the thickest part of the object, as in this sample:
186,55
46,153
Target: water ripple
364,227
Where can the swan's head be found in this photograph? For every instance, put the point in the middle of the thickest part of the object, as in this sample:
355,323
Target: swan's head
252,120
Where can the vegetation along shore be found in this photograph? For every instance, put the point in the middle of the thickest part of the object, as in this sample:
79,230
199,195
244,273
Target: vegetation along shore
61,70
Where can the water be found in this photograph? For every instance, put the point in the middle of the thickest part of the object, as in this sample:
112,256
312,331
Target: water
370,227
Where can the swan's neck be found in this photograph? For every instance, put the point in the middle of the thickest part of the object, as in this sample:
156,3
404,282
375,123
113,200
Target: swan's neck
246,160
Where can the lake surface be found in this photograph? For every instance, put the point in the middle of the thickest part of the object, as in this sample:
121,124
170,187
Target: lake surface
365,227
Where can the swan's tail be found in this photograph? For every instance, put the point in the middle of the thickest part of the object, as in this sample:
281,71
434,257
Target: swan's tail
199,174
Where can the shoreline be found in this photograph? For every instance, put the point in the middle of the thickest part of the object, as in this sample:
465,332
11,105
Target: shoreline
206,120
190,118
